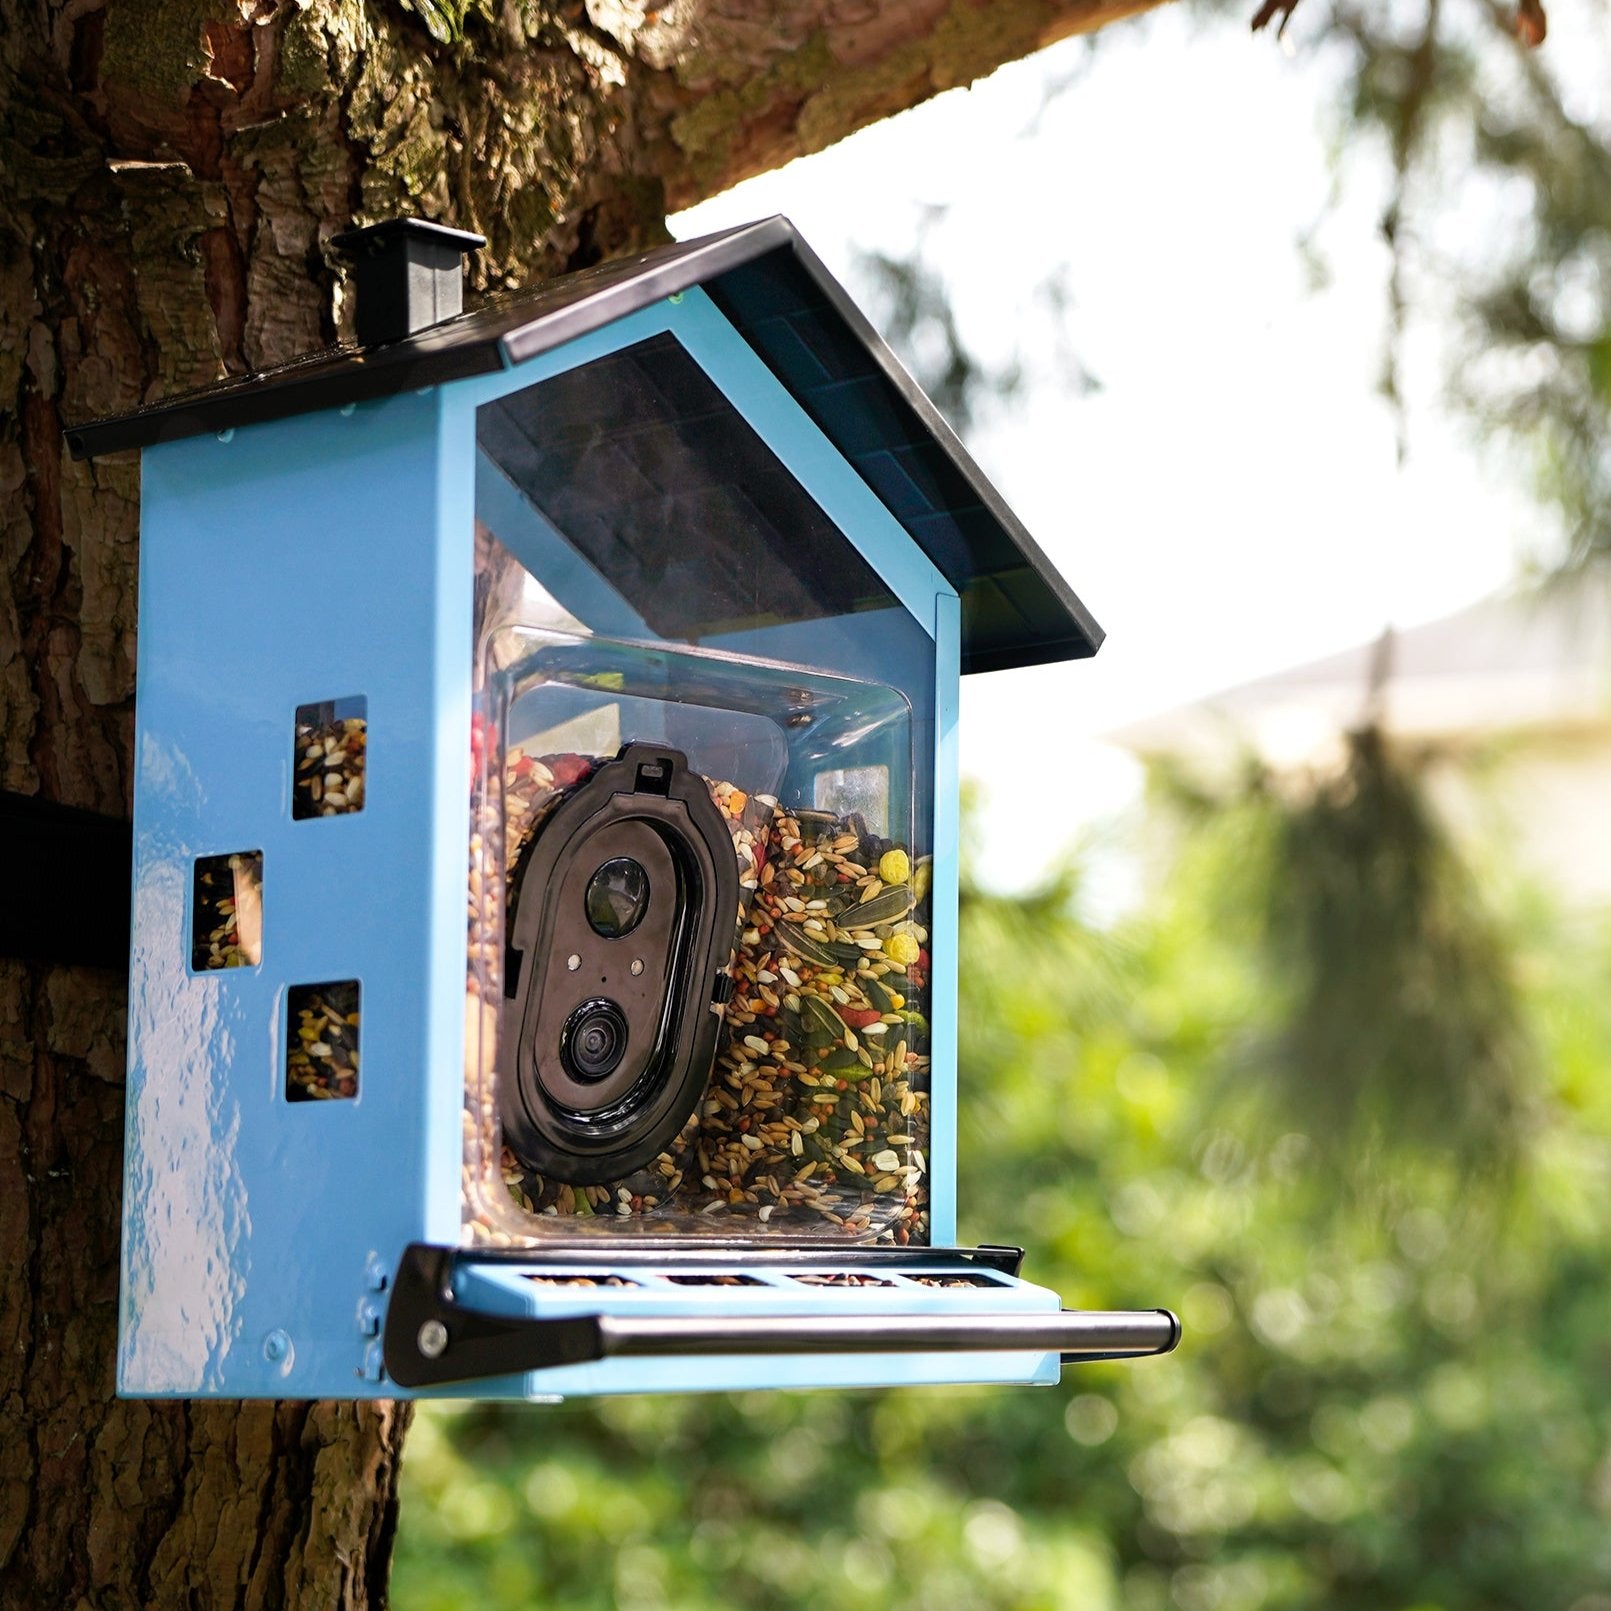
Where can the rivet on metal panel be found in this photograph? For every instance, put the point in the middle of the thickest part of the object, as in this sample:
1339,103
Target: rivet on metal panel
433,1339
369,1318
372,1370
348,410
277,1349
376,1273
675,298
227,435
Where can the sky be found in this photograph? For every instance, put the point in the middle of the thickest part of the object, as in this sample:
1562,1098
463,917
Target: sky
1229,500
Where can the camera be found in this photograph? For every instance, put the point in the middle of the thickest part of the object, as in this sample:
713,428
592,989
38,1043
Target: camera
623,909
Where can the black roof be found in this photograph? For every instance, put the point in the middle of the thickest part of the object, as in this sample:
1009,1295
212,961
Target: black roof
1016,609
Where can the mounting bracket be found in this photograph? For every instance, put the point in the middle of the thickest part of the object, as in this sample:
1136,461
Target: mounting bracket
64,883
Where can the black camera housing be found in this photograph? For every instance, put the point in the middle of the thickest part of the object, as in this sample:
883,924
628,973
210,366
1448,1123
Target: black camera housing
602,1065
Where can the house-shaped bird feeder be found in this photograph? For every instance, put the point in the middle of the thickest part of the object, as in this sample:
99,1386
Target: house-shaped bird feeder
545,862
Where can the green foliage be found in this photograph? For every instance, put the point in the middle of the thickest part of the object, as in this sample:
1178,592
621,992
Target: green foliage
1370,1412
1498,216
913,306
1496,210
1396,1019
916,314
454,22
444,18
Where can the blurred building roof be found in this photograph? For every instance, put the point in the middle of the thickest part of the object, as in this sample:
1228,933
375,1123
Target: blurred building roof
1508,664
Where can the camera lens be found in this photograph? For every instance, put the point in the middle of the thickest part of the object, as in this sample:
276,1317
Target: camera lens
594,1040
617,897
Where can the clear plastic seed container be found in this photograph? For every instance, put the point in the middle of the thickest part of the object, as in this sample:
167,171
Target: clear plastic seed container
804,1106
702,800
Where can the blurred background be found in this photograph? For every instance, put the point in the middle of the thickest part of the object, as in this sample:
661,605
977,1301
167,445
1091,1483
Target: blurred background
1285,920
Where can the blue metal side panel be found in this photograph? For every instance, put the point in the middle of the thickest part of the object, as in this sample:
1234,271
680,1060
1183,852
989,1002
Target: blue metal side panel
506,1291
943,908
451,664
294,562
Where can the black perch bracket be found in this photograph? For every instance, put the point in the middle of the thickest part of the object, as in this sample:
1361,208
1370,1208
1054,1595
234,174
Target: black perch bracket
64,884
431,1339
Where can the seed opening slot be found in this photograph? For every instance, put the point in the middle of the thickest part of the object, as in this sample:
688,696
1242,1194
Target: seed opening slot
226,925
599,1280
329,763
321,1057
714,1279
840,1278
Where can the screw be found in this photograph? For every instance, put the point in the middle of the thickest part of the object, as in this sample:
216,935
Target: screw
276,1346
432,1340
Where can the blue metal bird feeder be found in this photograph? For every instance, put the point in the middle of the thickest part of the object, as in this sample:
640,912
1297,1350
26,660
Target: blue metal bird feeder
545,850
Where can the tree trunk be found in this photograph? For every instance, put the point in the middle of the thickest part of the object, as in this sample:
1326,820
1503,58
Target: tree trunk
170,174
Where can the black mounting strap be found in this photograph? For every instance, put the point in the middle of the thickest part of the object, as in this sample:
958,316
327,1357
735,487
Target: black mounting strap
430,1339
64,883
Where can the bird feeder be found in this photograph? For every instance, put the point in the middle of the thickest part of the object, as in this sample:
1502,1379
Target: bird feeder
545,850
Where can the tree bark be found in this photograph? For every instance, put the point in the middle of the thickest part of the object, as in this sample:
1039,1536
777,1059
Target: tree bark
171,172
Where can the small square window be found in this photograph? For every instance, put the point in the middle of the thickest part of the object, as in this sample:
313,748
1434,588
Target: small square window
321,1041
332,741
226,918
